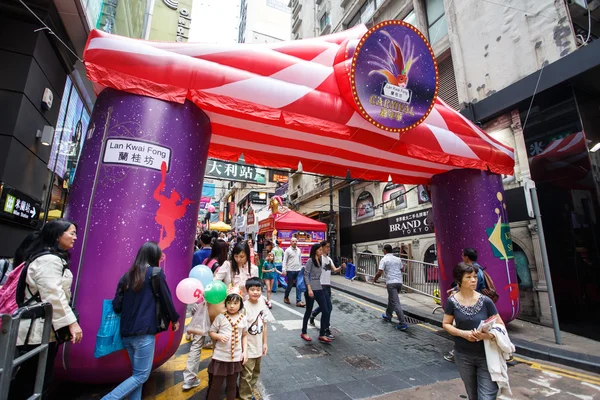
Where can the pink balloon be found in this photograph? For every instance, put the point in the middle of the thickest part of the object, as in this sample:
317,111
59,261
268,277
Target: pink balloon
190,291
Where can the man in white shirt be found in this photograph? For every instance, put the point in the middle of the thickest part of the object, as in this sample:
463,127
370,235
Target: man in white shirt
392,266
292,265
328,268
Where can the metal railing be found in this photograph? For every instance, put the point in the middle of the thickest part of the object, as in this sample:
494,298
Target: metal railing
8,346
419,277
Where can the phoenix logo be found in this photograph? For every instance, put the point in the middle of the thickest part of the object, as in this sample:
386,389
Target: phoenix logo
396,63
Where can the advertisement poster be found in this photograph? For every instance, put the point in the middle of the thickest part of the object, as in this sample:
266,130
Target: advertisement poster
394,76
305,240
423,195
394,197
365,206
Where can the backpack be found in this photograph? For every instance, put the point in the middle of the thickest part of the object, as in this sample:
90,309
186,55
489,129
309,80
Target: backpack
8,293
490,290
211,264
6,266
15,283
162,319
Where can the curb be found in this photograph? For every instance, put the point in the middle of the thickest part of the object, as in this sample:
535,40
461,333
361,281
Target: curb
563,357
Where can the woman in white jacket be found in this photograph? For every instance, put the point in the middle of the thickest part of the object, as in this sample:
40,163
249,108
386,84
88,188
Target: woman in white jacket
48,279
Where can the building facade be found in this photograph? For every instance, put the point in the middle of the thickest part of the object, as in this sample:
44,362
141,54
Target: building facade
215,21
518,70
264,21
49,100
170,21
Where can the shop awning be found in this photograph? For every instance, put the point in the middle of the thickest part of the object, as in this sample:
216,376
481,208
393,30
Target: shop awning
220,226
284,103
291,220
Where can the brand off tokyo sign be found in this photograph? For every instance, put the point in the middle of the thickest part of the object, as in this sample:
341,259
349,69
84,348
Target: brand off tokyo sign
394,76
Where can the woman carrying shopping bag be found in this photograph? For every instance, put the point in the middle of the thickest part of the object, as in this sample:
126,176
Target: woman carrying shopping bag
135,300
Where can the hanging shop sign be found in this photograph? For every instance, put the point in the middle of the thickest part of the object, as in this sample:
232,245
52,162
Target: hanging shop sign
17,207
409,224
250,217
235,172
394,76
278,176
365,206
258,197
136,153
266,225
394,197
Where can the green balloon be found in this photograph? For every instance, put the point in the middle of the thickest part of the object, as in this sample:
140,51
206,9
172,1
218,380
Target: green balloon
215,292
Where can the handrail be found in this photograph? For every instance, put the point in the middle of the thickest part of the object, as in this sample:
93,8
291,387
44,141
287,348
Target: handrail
418,276
8,345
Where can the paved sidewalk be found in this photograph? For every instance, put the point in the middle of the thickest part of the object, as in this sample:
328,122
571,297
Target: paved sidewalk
530,339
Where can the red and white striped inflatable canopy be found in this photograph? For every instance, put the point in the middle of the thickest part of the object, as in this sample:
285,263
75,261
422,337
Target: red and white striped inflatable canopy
284,103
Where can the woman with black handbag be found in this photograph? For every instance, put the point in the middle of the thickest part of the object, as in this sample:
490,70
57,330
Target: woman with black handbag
46,278
136,300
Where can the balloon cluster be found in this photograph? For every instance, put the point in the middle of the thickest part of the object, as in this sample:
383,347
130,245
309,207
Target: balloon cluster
200,286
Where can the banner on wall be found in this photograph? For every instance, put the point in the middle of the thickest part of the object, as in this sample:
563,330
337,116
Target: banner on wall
250,216
208,190
365,206
204,201
409,224
394,197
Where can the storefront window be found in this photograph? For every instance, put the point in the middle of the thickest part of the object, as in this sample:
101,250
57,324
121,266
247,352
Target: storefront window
73,121
558,134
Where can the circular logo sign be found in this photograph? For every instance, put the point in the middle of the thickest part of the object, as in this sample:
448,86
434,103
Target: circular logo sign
394,76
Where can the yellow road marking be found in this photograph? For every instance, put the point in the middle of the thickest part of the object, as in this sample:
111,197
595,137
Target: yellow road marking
560,371
176,392
428,327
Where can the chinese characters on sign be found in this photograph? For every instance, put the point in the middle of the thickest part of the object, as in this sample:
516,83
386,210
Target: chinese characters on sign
136,153
18,207
409,224
236,172
278,176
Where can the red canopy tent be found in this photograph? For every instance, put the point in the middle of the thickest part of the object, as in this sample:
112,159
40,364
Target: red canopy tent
273,102
290,220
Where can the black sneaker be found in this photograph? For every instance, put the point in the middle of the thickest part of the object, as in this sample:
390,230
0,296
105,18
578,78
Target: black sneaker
311,321
329,335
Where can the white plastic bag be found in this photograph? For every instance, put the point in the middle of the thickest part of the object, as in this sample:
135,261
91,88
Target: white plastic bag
200,324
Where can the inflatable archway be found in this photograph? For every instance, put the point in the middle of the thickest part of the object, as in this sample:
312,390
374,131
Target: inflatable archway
358,102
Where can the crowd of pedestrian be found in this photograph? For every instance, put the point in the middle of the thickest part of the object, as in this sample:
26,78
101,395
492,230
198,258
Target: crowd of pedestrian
238,332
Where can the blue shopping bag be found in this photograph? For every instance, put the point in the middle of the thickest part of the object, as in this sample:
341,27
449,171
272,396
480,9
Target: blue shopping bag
300,284
108,339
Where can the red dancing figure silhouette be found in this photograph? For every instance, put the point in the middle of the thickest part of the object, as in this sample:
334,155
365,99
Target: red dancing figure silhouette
168,210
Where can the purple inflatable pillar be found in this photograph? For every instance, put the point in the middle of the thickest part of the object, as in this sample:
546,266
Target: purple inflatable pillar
139,179
469,210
